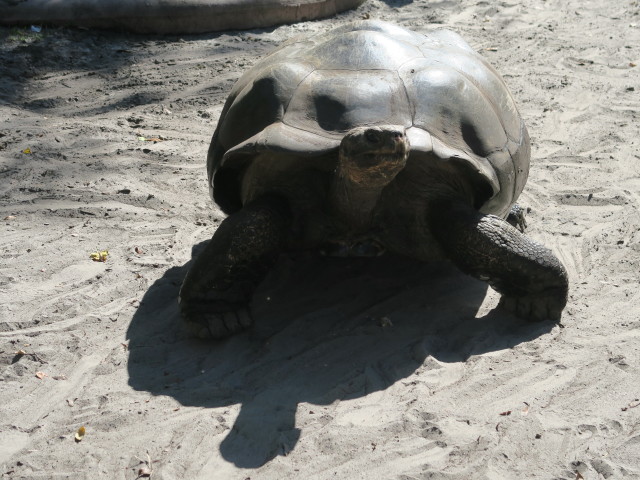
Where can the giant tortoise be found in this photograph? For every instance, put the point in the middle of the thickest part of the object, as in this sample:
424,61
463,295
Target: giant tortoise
365,139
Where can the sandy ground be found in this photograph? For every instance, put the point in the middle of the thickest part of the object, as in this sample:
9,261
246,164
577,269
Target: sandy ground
361,369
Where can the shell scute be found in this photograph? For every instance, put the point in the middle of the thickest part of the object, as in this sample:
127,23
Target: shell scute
362,50
331,103
437,91
261,102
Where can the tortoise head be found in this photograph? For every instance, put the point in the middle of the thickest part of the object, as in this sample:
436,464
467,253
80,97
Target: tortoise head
374,155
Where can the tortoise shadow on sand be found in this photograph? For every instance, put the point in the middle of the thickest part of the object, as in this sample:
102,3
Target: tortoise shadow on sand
321,335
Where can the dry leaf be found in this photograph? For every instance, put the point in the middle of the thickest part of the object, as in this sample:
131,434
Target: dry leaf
80,434
100,256
504,414
41,375
26,150
633,404
579,476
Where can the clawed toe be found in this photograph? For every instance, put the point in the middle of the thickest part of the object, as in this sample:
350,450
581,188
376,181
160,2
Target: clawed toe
534,308
210,325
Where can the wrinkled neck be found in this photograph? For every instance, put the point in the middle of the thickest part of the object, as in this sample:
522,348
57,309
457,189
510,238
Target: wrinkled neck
352,202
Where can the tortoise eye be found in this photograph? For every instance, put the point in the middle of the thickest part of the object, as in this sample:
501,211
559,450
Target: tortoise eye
372,136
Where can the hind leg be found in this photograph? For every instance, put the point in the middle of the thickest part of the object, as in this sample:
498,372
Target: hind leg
516,217
214,298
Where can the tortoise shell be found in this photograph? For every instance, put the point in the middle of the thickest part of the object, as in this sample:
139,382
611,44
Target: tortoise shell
299,101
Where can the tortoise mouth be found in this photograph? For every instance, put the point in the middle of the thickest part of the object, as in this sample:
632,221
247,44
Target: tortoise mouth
374,169
373,155
373,158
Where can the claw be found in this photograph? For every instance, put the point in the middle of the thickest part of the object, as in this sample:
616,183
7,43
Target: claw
203,322
216,326
198,330
539,312
244,317
230,321
534,308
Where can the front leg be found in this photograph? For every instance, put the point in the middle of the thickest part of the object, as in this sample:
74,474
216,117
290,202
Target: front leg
214,298
533,283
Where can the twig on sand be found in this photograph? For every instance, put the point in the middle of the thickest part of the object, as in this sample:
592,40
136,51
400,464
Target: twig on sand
146,470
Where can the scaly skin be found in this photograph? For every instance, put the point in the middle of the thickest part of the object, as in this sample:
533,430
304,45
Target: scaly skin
516,217
531,279
215,295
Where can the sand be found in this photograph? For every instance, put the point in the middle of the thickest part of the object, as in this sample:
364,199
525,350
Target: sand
355,369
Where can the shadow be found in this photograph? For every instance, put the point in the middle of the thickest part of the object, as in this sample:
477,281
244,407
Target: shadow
80,94
398,3
67,54
26,57
325,329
